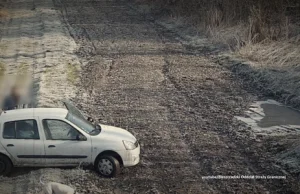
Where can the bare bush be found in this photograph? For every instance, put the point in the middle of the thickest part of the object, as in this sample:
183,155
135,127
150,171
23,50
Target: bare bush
246,26
264,19
266,33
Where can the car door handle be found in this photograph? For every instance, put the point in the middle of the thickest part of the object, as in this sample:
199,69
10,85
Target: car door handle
51,146
10,145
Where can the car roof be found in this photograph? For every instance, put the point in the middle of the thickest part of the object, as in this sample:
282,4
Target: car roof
57,112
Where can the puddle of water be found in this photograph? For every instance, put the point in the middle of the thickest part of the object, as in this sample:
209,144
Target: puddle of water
271,118
276,115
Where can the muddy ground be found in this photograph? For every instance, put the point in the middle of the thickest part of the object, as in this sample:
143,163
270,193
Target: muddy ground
180,104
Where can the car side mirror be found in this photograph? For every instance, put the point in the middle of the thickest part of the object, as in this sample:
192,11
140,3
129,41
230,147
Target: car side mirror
80,137
90,119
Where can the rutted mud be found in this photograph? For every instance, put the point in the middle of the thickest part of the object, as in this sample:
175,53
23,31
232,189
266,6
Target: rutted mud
180,105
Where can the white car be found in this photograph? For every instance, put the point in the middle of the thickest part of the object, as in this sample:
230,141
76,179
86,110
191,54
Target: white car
60,137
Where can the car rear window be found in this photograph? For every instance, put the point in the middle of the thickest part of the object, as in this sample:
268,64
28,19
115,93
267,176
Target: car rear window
23,129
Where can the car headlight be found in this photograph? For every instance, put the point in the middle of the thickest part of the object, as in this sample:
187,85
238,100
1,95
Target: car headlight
129,145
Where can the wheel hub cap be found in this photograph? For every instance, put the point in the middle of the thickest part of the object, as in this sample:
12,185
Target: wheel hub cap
105,166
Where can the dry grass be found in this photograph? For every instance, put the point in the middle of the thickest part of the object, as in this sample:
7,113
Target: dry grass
279,54
72,73
260,19
248,21
264,32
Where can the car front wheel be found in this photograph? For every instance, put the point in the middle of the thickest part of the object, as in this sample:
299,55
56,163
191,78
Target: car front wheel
108,166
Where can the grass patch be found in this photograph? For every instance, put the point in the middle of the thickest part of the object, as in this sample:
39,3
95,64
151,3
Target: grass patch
22,69
72,73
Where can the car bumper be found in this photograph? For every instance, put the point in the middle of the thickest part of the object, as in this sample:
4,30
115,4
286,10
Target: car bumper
130,157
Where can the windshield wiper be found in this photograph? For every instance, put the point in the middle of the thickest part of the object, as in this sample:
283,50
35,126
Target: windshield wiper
94,130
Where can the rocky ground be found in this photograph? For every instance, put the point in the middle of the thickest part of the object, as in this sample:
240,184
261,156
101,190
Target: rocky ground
140,75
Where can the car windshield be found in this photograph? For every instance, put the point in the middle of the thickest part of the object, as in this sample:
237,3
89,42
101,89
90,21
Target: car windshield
81,123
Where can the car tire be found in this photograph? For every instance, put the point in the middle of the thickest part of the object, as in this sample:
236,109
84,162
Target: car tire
108,166
5,165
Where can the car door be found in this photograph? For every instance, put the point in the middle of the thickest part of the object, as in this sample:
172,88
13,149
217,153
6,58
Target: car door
65,144
22,140
73,109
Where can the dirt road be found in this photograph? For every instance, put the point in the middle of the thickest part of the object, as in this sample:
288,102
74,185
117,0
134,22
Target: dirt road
139,75
178,103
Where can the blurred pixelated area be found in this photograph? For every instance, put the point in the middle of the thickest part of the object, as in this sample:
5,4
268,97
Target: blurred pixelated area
16,90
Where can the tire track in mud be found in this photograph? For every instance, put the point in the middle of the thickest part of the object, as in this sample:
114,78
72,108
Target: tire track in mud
245,147
166,114
170,163
243,144
192,104
247,163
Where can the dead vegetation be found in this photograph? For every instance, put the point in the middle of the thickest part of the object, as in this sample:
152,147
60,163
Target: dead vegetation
72,73
255,20
267,33
239,23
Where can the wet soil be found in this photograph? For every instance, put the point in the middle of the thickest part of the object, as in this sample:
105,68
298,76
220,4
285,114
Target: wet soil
279,115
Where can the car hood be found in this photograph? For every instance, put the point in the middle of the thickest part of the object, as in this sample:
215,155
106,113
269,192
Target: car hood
116,133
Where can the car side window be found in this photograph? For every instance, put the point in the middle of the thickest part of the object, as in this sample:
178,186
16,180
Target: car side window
23,129
9,131
59,130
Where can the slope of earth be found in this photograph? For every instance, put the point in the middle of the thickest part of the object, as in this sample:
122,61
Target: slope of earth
178,103
36,51
35,45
